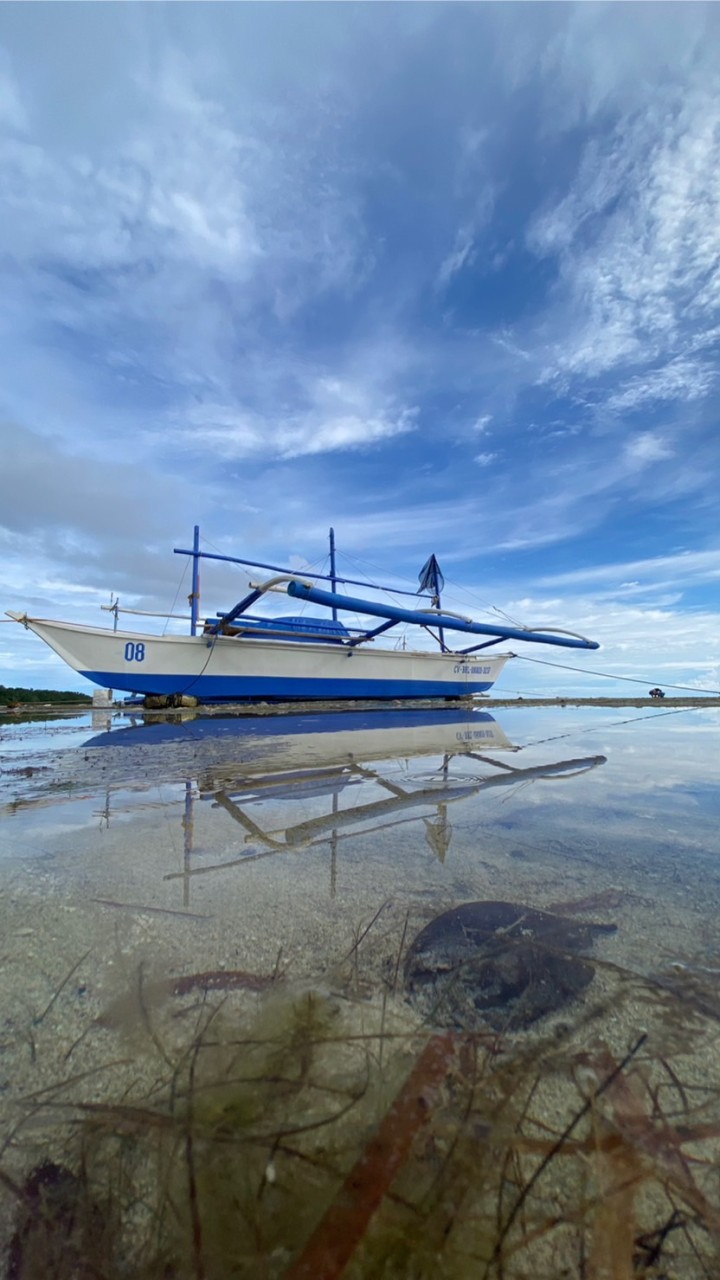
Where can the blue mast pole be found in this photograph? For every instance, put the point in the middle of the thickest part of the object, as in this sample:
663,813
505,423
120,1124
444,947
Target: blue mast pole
441,633
195,594
333,579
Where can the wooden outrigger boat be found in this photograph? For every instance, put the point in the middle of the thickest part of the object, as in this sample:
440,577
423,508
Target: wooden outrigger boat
239,656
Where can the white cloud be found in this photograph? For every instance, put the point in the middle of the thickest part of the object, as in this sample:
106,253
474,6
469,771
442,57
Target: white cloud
681,379
648,447
45,487
683,567
176,194
145,265
12,112
472,190
643,642
160,246
233,433
286,408
639,246
191,283
602,58
461,255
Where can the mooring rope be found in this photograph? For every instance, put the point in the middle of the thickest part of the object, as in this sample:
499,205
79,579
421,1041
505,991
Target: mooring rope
585,671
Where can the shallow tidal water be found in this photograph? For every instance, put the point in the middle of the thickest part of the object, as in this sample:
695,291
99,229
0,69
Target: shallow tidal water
174,893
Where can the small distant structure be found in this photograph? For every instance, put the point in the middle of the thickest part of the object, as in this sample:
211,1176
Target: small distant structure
656,693
102,697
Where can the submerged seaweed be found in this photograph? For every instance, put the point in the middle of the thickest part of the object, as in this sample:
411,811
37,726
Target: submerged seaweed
60,1232
325,1136
271,1132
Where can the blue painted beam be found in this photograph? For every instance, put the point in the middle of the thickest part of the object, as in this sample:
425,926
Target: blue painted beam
426,619
278,568
225,618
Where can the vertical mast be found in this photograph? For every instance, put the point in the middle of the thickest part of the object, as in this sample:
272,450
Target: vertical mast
333,579
441,633
195,593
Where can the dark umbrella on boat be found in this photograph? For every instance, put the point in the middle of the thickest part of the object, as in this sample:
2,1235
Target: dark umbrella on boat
432,581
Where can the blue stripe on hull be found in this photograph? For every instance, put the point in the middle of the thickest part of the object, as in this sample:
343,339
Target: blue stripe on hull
283,689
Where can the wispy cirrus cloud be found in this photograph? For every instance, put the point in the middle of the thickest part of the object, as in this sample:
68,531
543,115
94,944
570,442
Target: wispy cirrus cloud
683,378
287,405
341,418
159,252
464,252
174,193
638,241
682,567
12,112
286,267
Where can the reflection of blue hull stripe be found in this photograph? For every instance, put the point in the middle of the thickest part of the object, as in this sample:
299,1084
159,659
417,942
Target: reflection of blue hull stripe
308,722
282,688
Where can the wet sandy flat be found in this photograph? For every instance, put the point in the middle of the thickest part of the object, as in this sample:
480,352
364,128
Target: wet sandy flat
148,874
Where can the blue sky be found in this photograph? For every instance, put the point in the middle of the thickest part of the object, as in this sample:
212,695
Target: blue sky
444,276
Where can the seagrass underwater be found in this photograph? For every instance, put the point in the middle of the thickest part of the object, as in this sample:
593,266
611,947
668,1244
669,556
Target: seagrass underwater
360,993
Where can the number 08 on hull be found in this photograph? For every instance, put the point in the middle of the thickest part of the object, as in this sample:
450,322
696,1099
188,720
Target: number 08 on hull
244,667
238,655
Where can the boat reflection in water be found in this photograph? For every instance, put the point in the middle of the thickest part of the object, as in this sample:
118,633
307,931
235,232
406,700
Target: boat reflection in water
356,772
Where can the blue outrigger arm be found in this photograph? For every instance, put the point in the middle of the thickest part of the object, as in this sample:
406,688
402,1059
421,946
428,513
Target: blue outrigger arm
430,618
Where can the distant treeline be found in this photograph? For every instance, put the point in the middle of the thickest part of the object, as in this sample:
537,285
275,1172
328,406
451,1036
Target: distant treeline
11,697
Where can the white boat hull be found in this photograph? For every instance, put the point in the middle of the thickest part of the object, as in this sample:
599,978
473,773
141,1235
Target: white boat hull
233,668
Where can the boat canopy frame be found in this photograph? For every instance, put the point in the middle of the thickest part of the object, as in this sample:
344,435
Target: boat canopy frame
300,587
333,577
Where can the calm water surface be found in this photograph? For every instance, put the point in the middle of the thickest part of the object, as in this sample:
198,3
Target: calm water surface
316,847
221,815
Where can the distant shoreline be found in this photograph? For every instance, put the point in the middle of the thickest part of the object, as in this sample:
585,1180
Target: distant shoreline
688,701
290,708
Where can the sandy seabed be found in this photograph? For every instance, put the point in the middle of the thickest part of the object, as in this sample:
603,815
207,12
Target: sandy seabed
113,887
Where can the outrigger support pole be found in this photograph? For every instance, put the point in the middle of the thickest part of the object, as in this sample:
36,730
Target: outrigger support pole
427,617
